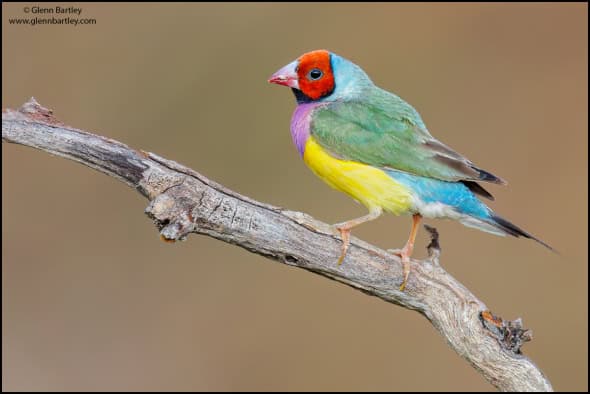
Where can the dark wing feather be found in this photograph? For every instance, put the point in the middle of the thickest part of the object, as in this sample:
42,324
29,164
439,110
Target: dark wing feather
478,189
449,157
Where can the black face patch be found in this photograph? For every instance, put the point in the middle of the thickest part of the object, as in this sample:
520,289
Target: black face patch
301,97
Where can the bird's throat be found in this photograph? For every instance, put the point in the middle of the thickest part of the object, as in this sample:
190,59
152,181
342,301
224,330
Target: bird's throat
301,97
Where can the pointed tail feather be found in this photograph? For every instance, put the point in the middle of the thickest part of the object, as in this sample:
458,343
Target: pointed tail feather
514,230
489,177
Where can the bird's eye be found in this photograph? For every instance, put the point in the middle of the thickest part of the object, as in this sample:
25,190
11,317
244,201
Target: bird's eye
315,74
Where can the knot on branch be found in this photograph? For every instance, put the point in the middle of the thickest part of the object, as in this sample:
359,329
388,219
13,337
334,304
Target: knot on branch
510,334
171,216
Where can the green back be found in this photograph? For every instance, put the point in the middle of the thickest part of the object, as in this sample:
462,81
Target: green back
384,131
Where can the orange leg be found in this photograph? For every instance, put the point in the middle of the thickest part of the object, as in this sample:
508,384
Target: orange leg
345,227
407,250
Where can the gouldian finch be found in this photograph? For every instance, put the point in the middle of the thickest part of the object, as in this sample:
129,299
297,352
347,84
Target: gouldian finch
374,146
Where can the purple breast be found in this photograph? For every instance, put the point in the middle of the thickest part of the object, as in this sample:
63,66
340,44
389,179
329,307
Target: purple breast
300,125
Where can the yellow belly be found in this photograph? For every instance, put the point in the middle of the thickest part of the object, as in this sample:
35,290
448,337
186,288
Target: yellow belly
368,185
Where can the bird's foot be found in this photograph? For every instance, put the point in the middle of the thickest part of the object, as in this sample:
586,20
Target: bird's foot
397,252
344,229
345,235
404,254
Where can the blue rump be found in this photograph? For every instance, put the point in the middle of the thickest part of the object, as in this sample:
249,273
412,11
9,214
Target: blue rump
453,194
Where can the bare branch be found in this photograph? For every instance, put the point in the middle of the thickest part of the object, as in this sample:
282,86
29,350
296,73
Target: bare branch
183,201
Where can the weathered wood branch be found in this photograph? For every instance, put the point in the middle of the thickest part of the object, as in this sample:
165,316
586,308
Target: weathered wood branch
183,201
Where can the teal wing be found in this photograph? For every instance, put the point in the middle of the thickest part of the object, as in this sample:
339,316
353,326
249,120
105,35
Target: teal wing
387,132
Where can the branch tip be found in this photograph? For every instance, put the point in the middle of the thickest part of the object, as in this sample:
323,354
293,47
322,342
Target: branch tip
35,111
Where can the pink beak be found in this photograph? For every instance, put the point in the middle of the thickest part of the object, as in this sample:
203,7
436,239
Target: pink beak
286,76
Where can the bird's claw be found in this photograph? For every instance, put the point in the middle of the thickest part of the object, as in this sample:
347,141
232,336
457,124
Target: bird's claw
345,235
406,270
403,254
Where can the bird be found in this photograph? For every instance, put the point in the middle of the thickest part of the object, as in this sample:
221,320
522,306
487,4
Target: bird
374,146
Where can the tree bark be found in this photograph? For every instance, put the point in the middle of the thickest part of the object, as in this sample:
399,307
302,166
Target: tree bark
182,201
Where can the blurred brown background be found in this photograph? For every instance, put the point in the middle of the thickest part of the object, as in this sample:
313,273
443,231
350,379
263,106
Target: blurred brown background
93,300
